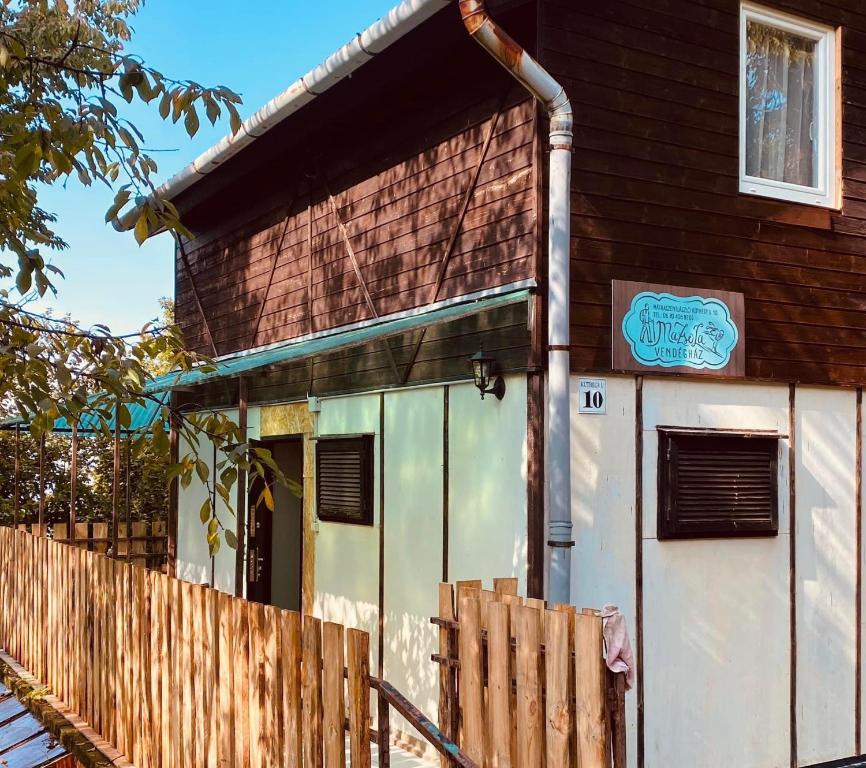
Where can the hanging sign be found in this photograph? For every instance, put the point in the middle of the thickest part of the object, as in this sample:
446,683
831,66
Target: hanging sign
677,329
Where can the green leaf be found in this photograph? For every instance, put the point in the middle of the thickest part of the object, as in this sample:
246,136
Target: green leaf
145,92
201,469
191,122
125,87
24,281
234,117
141,228
211,108
27,159
268,498
231,539
204,512
120,199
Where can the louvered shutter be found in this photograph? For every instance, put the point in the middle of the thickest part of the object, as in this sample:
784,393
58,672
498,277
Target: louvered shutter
717,485
344,479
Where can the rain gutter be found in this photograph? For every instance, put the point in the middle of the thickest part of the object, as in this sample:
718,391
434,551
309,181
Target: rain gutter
400,20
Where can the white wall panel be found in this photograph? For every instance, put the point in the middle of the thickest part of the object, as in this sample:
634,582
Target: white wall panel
226,558
413,541
347,556
487,525
825,521
716,649
193,558
716,612
603,511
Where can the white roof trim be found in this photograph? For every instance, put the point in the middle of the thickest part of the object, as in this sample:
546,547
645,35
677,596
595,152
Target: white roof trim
376,38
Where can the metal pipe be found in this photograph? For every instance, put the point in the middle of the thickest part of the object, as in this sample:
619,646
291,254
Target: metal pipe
17,473
73,481
41,484
127,502
115,481
552,95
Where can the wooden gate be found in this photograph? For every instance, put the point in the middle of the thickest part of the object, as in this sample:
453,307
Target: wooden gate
524,685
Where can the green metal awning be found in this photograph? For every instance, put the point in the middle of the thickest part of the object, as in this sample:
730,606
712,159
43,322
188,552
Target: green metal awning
143,416
246,362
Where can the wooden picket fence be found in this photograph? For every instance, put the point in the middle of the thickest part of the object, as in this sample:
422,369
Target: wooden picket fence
179,675
524,685
140,542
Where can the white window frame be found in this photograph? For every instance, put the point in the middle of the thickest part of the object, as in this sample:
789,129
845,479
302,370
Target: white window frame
826,193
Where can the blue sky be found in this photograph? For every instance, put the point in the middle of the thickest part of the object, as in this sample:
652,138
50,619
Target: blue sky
257,49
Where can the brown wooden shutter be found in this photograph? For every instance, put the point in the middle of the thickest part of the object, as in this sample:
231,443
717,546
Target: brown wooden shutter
344,479
717,485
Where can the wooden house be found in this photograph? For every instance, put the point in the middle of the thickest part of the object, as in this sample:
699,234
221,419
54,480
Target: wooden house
681,427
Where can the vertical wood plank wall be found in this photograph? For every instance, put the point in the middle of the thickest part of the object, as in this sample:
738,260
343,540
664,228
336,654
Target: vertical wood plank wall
156,665
704,602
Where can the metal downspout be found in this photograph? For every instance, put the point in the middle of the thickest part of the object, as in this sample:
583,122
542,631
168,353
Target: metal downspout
552,95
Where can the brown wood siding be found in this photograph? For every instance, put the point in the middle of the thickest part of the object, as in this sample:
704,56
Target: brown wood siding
655,183
397,146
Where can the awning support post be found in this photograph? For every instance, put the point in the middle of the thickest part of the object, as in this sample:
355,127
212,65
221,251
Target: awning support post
15,501
73,482
41,483
115,484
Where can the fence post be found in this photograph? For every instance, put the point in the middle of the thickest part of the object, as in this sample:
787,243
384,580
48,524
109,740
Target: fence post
384,732
448,705
616,717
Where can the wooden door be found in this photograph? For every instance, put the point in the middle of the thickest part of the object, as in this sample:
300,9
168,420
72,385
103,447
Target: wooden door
260,538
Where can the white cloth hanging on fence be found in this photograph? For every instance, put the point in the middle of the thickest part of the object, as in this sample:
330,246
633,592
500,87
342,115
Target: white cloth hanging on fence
618,652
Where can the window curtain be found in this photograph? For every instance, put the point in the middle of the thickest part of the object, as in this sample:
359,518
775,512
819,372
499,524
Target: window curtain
780,83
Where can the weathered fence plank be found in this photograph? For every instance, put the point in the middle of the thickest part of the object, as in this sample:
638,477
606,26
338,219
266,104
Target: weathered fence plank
359,698
471,676
290,645
333,700
589,676
311,691
499,685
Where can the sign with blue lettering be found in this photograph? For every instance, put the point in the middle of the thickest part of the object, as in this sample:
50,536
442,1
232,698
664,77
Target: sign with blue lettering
677,329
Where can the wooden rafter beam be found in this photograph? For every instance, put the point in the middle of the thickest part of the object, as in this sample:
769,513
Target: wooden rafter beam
195,292
457,228
273,269
353,259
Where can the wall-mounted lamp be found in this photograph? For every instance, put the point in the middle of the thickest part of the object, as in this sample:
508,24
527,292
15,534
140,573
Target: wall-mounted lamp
482,371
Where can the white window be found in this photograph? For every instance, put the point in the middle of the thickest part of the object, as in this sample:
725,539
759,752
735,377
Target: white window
787,108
